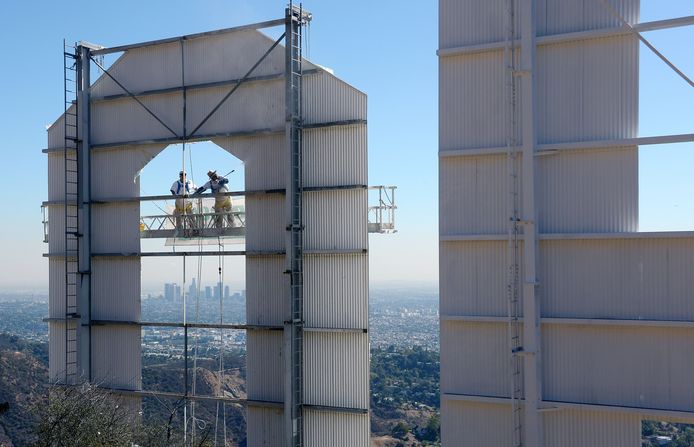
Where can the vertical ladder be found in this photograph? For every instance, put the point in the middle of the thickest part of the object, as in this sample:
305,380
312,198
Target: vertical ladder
296,18
514,304
70,75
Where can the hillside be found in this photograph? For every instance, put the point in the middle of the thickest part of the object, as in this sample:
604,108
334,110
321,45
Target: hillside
23,378
168,376
405,397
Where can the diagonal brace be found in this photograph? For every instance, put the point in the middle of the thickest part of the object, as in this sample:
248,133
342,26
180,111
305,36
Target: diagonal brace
241,81
132,95
647,43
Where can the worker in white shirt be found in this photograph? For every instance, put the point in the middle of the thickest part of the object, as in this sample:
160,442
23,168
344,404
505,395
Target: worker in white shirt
182,188
222,204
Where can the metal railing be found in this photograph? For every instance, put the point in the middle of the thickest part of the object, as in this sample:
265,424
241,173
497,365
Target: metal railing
44,221
197,221
382,215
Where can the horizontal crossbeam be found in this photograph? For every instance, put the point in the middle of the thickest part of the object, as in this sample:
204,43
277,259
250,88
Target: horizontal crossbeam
242,133
204,85
202,196
216,253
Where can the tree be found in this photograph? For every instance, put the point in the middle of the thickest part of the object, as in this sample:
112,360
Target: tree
89,416
400,430
83,416
432,432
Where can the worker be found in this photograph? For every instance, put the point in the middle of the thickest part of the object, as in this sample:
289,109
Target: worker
182,188
222,203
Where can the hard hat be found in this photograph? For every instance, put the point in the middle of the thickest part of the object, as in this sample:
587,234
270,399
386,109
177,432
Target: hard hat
212,174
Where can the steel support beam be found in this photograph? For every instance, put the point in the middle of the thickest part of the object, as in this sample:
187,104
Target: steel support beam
548,405
244,133
84,197
531,324
353,251
571,37
548,148
259,25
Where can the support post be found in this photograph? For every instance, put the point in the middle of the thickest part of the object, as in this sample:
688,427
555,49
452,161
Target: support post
84,210
531,315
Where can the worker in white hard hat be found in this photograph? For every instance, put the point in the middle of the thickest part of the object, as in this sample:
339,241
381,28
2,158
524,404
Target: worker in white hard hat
182,188
222,204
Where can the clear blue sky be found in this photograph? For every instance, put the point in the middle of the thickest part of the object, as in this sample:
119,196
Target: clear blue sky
385,48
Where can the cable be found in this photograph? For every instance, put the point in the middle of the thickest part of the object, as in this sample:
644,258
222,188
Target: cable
195,343
221,335
185,354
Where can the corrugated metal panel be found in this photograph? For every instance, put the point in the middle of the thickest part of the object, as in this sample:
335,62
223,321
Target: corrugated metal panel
467,424
262,157
565,16
587,90
641,367
229,56
267,290
475,359
635,279
210,59
258,105
327,98
336,291
265,222
335,220
125,120
570,428
56,176
116,356
116,228
473,278
589,191
141,69
116,171
56,351
472,22
335,156
336,371
322,428
56,132
264,427
472,101
474,192
56,229
263,365
56,287
116,289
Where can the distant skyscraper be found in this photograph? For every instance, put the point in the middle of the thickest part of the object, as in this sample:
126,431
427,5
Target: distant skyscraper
226,292
208,292
193,289
169,291
177,292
